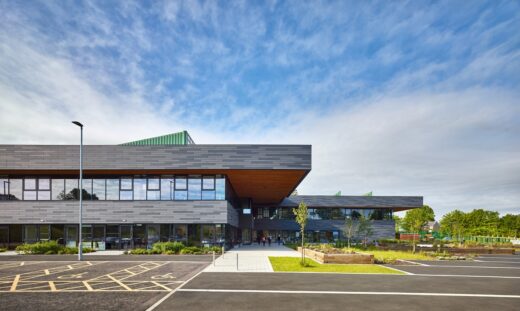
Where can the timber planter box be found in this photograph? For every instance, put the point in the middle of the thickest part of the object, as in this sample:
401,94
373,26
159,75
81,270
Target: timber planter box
344,258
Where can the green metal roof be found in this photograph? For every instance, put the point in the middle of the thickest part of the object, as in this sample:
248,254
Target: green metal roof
180,138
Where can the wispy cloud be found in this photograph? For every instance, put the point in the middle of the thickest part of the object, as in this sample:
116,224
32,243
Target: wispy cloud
399,99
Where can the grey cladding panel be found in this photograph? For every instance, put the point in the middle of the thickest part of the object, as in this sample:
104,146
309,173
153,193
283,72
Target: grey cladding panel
19,212
100,157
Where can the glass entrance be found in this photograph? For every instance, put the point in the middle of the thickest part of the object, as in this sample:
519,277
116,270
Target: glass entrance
71,236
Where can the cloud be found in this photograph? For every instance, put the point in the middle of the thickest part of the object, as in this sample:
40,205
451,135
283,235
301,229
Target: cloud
408,100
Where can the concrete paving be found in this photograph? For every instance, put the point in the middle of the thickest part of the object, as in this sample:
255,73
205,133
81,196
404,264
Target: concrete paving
250,258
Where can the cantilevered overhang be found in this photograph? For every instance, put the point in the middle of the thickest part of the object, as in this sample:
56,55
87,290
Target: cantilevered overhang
265,173
396,203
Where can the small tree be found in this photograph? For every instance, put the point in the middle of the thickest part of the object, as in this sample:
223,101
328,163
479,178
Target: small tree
301,219
350,228
415,219
365,229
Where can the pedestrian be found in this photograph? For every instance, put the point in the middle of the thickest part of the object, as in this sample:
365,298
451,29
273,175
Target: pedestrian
263,240
269,240
258,239
278,239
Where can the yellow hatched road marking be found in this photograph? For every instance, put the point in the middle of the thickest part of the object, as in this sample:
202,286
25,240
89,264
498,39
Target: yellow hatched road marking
52,286
15,283
87,285
119,282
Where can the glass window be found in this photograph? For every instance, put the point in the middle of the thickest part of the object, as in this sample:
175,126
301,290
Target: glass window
71,189
337,213
153,195
140,189
153,183
86,232
126,195
112,231
112,189
44,192
181,183
194,188
355,214
180,232
87,188
126,183
208,182
30,184
44,195
44,184
29,195
98,189
208,194
181,195
98,232
4,189
30,234
58,189
220,188
208,233
44,232
286,213
15,189
167,188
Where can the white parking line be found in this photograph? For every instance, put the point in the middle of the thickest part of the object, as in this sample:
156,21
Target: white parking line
344,293
155,305
469,276
476,260
405,272
477,267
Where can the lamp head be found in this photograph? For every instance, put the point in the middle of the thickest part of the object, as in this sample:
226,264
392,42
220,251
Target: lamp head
78,123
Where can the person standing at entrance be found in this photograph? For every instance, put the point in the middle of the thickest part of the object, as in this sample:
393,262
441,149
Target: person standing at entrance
263,240
278,239
269,240
258,239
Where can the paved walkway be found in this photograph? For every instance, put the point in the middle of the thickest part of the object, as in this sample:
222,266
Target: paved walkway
251,258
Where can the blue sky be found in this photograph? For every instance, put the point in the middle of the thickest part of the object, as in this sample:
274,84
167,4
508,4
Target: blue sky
396,97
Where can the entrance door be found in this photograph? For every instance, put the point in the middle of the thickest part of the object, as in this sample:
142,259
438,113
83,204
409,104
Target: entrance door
153,235
71,236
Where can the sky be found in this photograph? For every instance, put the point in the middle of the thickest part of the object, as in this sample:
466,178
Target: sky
395,97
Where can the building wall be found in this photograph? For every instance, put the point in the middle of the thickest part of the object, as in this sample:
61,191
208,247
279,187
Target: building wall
109,157
94,212
382,229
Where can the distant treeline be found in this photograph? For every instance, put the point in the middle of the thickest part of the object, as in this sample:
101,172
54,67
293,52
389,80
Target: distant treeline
458,224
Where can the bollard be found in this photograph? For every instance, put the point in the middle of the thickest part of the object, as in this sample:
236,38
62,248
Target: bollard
213,258
237,261
223,251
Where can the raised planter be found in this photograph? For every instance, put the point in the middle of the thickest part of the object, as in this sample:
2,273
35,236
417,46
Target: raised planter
356,258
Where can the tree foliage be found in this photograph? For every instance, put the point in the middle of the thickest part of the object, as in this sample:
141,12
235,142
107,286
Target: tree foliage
301,219
417,218
365,229
479,222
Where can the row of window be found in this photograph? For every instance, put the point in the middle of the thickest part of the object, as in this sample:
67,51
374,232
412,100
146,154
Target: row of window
335,213
191,187
114,236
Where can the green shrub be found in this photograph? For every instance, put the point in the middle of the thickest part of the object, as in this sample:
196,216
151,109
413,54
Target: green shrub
170,247
49,248
2,249
139,251
191,250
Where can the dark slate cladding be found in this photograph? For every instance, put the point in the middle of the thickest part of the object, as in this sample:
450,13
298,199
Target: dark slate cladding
65,157
354,201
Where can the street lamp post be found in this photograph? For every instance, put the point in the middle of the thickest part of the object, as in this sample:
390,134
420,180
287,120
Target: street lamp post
80,248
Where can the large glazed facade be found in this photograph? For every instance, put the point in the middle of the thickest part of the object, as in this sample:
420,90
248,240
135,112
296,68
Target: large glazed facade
135,195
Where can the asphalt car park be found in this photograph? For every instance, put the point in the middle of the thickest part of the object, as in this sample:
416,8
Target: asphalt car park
487,283
436,285
88,285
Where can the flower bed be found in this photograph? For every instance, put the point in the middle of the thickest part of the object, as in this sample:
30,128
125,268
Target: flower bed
335,255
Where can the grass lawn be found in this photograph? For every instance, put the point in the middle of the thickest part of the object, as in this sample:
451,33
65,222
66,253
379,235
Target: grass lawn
392,256
292,264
